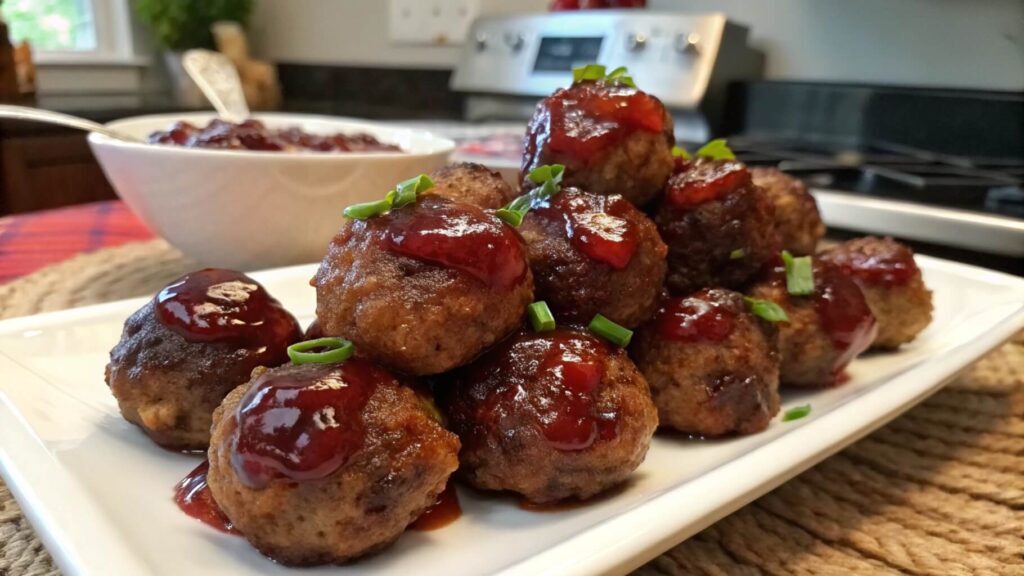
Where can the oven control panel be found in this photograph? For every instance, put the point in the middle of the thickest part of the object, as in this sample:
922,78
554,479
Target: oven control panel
676,57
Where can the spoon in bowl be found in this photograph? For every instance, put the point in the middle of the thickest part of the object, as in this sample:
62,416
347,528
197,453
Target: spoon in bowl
217,77
48,117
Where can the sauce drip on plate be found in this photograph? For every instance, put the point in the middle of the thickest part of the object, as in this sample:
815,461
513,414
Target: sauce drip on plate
193,497
458,236
303,423
444,511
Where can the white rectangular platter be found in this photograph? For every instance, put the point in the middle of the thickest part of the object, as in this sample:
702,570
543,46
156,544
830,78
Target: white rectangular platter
100,494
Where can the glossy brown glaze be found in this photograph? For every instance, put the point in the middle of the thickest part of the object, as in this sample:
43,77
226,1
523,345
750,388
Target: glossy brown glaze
254,135
702,181
878,263
303,427
461,237
693,319
444,511
597,226
193,497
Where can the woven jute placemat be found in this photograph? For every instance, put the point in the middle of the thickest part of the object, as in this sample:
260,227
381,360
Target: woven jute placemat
938,491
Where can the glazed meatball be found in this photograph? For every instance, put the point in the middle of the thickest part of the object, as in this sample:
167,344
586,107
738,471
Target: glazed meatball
322,463
826,329
551,415
891,281
472,184
424,288
592,254
713,367
185,349
612,139
719,227
797,219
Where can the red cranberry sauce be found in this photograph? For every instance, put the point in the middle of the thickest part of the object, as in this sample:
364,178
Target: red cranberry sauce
444,511
254,135
598,226
193,497
303,422
706,180
216,305
458,236
885,263
698,318
587,118
553,376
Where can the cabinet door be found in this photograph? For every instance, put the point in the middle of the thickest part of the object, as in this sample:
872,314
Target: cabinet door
49,171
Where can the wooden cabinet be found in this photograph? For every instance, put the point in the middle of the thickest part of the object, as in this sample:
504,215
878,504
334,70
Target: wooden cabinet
47,170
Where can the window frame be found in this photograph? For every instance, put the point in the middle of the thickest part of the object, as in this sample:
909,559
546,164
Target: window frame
114,43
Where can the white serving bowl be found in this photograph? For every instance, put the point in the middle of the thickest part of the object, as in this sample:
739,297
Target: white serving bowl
249,210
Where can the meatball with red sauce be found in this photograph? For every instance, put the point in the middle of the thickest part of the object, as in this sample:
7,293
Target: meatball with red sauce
713,367
594,254
550,415
322,463
797,219
826,329
473,184
185,349
886,272
718,225
425,288
612,139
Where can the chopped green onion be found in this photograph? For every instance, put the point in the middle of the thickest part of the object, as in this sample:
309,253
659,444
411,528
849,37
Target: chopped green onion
766,310
680,152
737,254
799,274
716,150
368,209
596,73
796,413
337,350
549,177
404,194
610,331
540,316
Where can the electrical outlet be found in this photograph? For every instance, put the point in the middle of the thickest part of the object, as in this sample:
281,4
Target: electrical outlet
438,22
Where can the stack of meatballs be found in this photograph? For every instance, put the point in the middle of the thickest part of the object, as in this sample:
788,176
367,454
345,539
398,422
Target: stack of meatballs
688,260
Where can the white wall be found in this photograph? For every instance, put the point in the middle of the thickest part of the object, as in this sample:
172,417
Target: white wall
951,43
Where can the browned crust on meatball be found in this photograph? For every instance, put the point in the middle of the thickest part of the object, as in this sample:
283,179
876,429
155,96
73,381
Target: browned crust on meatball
797,218
807,355
702,238
361,508
168,386
409,315
473,184
518,458
577,287
714,388
902,310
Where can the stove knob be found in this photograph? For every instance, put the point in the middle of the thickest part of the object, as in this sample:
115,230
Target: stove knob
688,43
515,41
480,41
636,42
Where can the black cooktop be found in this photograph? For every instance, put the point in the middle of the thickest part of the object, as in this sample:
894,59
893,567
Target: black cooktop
895,172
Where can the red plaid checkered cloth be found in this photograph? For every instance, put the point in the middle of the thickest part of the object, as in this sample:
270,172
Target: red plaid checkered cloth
30,241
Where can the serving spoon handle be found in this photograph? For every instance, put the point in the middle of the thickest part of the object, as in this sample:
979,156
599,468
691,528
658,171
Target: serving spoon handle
49,117
217,77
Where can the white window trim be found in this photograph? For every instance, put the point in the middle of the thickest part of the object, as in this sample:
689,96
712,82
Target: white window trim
114,46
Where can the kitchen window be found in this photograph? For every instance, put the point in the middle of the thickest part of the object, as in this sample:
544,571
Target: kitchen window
73,31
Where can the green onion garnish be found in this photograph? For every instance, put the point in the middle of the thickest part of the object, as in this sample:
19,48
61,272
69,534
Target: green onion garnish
766,310
737,254
540,317
336,350
550,179
610,331
796,413
680,152
405,193
799,274
716,150
597,73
